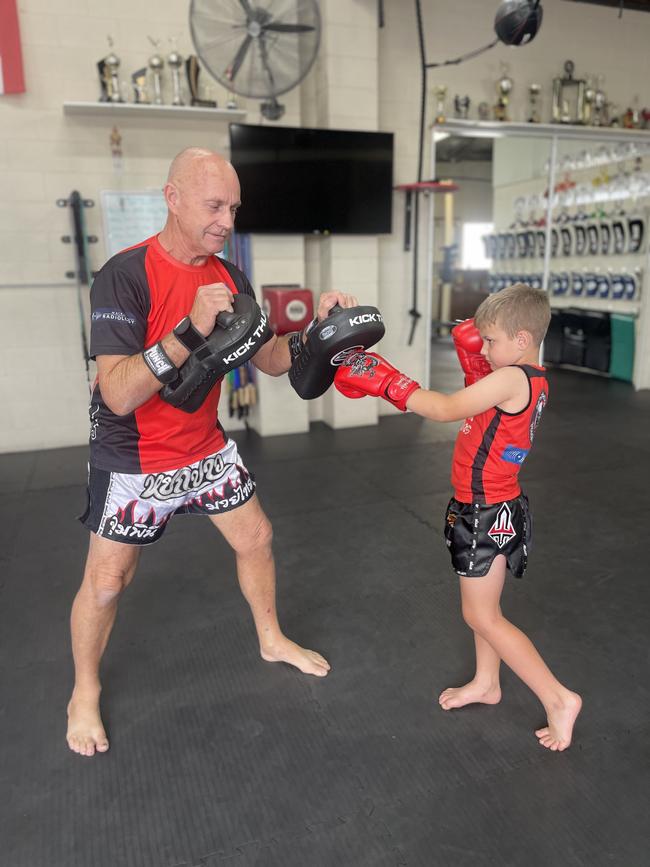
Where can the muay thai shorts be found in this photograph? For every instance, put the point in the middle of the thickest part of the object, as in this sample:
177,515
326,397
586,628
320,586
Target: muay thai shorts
135,508
476,533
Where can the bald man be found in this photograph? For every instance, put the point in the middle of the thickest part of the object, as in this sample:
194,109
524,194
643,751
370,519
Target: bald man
150,461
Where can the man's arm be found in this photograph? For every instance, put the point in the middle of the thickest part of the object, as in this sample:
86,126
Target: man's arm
274,357
126,382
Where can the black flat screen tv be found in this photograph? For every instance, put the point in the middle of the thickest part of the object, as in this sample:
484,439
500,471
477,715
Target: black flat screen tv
306,181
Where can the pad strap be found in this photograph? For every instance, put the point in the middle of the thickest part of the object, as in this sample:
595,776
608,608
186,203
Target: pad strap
297,338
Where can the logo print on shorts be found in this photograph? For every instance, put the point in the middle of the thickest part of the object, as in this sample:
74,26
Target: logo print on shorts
502,530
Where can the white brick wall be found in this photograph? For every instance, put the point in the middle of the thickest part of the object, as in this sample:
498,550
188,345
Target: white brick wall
364,78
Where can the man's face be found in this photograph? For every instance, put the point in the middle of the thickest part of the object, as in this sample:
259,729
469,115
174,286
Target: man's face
205,206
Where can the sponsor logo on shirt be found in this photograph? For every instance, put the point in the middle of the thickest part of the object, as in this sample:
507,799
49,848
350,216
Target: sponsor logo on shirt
514,455
105,314
537,414
94,420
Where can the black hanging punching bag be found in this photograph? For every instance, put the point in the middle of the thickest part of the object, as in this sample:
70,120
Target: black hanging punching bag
517,21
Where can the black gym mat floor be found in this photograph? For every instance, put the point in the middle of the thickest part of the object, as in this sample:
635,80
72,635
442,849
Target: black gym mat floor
220,758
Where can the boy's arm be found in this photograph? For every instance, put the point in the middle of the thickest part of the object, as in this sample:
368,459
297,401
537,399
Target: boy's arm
367,373
493,390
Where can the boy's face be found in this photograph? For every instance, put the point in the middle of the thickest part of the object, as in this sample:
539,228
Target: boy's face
501,350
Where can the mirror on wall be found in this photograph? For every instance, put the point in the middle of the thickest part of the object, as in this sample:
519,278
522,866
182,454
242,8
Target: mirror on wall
564,212
492,232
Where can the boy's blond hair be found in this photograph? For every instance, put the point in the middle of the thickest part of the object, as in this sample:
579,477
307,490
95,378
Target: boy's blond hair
516,308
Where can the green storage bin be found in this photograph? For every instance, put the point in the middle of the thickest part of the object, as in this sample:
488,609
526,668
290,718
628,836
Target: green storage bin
621,365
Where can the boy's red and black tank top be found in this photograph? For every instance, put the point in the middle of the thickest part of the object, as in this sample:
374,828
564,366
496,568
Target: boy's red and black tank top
136,299
492,446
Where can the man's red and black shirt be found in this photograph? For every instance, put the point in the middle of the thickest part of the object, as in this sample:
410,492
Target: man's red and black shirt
136,299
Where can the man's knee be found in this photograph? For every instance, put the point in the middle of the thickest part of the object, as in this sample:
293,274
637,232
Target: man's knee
258,536
107,581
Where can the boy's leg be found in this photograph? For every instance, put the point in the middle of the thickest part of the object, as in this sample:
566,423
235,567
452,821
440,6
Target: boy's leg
110,566
482,613
484,687
248,531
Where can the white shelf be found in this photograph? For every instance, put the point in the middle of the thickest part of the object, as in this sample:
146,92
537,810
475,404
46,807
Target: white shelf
498,129
603,305
132,109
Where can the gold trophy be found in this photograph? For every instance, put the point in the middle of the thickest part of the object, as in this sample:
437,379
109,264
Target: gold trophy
116,149
504,89
568,97
441,96
140,90
534,91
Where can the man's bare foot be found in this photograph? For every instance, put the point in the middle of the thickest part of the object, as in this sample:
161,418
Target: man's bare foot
86,733
471,693
308,661
557,734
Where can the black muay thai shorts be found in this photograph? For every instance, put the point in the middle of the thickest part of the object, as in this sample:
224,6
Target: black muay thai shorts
476,533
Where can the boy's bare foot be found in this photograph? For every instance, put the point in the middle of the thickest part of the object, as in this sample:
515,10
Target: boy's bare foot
86,733
307,661
471,693
557,734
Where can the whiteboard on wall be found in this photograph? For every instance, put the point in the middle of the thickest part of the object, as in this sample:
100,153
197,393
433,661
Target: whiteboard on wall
131,217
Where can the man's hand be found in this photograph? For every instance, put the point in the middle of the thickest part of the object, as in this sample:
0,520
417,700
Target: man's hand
328,299
209,302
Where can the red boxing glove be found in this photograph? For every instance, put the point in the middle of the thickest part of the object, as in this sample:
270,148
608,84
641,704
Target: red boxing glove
366,373
468,343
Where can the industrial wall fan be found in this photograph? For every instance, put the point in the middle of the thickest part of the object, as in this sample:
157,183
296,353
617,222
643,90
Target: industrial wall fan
257,48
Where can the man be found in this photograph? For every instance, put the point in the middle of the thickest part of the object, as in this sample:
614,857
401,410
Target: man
150,460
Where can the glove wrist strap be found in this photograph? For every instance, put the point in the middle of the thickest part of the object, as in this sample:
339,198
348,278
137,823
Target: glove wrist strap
160,364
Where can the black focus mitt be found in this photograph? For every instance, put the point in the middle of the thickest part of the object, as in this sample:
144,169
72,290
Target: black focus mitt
236,338
328,345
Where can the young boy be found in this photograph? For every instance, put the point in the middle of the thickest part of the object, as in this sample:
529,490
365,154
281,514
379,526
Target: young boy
487,524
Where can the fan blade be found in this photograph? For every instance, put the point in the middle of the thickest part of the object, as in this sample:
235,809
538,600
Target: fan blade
235,66
264,55
288,28
248,9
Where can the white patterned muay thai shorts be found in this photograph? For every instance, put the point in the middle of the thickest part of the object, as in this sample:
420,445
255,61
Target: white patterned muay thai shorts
135,508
